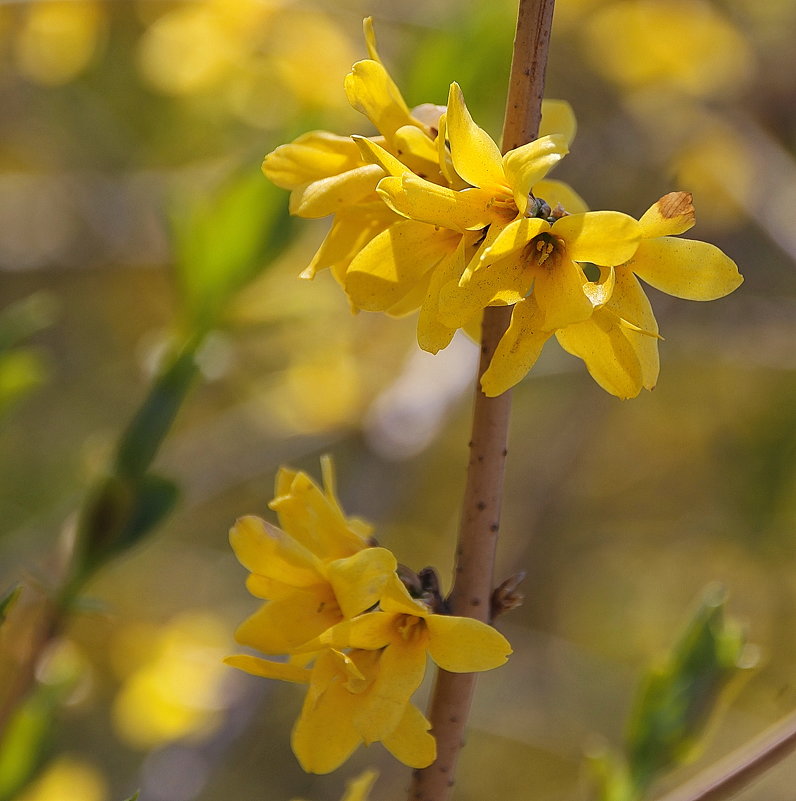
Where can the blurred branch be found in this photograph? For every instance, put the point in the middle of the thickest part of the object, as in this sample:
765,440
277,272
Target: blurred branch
738,770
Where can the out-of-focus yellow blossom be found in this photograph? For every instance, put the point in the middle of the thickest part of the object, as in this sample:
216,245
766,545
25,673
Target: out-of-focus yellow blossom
67,778
358,789
58,40
257,59
686,44
176,691
619,342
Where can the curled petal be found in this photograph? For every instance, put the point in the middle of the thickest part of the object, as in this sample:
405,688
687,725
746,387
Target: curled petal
314,155
475,155
607,238
518,349
374,153
686,268
332,194
371,90
370,632
464,645
421,200
673,214
359,580
526,165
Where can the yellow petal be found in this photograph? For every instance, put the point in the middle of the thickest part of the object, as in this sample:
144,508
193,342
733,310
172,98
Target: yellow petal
370,631
375,154
266,550
267,588
427,202
280,627
353,227
526,165
324,737
371,90
411,742
370,38
283,671
475,155
359,580
600,292
558,118
558,193
313,518
673,214
432,334
518,349
358,789
512,239
464,645
610,357
402,666
413,299
607,238
314,155
559,291
418,150
387,269
443,155
396,600
330,195
686,268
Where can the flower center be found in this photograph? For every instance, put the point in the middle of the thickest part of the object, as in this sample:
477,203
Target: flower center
544,248
408,626
541,208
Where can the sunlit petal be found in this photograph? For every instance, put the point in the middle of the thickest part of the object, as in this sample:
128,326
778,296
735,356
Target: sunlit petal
602,237
475,155
512,239
330,195
686,268
526,165
373,153
559,291
371,90
390,265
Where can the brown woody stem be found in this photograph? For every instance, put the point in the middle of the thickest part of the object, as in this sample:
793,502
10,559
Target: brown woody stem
478,532
736,771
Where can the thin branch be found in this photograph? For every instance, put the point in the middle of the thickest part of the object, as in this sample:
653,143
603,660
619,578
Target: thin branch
478,532
738,770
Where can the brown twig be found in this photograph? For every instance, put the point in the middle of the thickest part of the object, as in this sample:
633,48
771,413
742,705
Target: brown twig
736,771
478,532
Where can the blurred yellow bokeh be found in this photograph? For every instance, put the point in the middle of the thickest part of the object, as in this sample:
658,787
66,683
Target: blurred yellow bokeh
68,778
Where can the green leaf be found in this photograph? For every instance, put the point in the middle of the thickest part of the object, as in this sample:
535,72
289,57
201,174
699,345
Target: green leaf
21,371
7,602
24,742
224,240
678,699
144,435
121,512
25,317
134,796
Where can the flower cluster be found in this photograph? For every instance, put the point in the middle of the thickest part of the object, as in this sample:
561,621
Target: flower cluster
429,215
353,632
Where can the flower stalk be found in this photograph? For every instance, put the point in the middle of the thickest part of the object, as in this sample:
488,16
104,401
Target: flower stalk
479,526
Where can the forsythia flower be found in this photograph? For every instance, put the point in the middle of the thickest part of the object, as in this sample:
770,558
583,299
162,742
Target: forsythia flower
356,637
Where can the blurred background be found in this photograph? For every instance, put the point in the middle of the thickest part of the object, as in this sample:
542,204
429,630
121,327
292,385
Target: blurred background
126,126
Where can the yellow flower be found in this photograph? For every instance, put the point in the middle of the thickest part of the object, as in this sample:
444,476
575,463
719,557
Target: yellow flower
403,630
619,343
410,262
346,706
317,572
